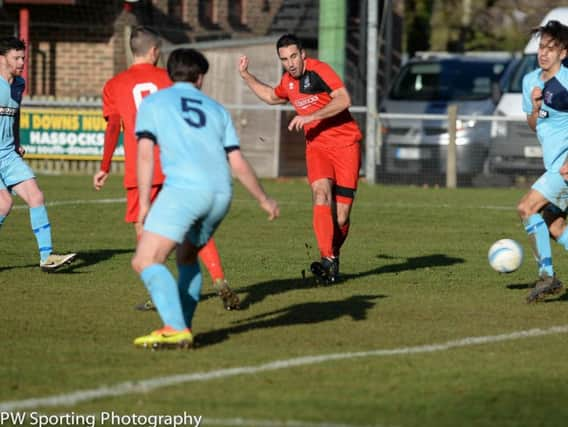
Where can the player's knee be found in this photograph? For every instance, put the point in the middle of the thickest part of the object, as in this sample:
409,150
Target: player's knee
321,197
139,263
556,229
523,210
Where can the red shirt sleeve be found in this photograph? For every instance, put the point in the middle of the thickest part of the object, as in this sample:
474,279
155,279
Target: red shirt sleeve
109,103
328,75
280,91
112,133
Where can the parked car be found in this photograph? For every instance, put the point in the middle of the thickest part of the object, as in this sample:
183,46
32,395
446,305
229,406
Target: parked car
514,148
427,85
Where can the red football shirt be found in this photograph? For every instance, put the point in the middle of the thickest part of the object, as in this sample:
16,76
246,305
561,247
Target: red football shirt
310,93
121,96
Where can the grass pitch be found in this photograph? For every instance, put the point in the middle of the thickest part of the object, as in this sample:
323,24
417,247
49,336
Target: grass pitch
416,277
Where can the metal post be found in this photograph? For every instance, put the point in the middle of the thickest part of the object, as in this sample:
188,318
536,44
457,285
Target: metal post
451,161
25,36
371,116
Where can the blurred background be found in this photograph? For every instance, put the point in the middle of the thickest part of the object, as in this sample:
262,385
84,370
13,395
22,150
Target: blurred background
429,55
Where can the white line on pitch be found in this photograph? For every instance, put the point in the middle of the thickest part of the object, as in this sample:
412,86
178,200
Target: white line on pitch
143,386
298,202
78,202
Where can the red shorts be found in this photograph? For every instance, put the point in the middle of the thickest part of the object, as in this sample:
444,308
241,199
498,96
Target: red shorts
132,201
340,164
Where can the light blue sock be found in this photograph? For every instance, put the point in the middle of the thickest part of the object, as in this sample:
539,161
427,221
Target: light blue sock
162,288
538,232
42,230
563,239
2,218
189,284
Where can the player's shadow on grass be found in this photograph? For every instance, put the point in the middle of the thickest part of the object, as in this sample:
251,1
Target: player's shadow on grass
516,286
88,258
259,291
12,267
308,313
560,298
413,263
83,259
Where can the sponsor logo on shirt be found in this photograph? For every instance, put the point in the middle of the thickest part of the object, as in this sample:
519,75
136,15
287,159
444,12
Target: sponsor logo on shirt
8,111
542,114
291,86
306,102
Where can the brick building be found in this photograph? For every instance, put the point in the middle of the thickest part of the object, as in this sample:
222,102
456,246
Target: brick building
76,45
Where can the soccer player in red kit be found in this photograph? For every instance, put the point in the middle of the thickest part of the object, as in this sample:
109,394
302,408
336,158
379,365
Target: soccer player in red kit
121,97
333,154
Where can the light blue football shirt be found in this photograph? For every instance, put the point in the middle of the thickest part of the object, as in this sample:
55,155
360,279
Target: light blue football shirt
8,110
193,132
552,123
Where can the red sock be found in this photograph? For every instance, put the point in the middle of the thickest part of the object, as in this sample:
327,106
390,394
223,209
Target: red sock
323,228
339,237
209,256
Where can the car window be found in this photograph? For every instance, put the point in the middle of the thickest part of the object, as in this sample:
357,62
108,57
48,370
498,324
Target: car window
527,64
447,80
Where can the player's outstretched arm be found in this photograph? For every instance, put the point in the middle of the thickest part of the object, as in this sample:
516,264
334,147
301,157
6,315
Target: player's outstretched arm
246,175
262,90
112,133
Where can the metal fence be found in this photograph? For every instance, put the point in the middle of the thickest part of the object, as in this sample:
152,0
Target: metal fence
445,149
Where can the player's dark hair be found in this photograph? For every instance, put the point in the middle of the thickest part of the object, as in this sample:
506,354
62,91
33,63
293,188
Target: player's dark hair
555,30
288,40
185,65
142,39
11,43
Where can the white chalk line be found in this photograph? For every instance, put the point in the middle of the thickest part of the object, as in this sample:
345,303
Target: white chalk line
144,386
297,202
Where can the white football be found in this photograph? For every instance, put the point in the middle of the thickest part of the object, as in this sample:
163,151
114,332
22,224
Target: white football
505,256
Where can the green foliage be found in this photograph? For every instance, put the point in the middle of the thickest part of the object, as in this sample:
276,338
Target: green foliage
416,274
417,21
492,25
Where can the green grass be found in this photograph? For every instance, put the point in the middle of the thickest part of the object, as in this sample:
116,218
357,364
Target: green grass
416,273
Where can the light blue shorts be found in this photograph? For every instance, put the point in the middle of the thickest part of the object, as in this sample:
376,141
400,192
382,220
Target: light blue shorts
554,189
13,170
191,213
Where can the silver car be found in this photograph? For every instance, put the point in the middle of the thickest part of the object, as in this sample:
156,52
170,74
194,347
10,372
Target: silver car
414,147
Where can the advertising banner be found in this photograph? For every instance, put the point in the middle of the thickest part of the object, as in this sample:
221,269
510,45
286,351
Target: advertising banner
64,133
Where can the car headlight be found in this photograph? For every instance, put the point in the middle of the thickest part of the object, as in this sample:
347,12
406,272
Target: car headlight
464,124
499,127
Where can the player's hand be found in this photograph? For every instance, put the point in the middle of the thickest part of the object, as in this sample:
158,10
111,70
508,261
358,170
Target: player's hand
99,179
271,207
243,65
564,170
536,98
21,151
298,122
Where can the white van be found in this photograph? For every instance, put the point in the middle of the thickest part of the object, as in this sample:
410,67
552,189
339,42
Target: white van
514,147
